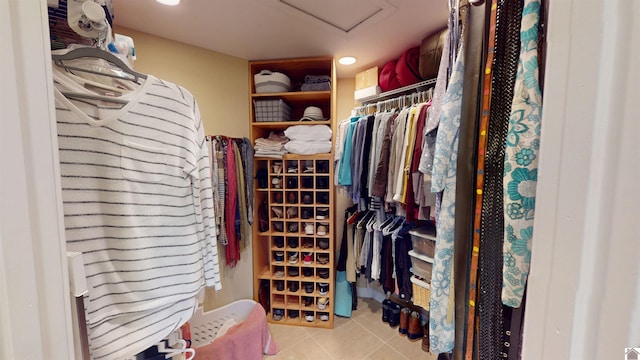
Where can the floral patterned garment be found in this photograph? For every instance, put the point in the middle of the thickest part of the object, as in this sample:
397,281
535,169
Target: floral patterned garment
521,161
441,325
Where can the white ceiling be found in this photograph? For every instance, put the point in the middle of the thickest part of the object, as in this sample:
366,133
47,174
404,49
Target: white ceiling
374,31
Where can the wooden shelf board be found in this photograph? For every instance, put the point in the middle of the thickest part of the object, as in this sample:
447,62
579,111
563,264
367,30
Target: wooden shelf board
282,124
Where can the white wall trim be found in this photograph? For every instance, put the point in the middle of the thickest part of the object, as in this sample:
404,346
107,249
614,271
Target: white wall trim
33,274
583,294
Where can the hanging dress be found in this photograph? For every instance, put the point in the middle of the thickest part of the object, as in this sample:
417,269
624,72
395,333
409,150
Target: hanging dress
521,161
441,320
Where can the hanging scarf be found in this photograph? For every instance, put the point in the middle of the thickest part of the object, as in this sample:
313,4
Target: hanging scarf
441,319
521,161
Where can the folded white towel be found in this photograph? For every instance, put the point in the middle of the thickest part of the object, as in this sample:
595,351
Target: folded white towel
305,147
308,132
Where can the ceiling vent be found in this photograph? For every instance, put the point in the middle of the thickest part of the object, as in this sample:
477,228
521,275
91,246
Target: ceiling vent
342,15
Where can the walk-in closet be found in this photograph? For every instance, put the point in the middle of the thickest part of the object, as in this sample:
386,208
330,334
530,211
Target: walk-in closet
293,179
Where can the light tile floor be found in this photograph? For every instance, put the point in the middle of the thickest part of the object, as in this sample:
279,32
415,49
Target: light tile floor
363,336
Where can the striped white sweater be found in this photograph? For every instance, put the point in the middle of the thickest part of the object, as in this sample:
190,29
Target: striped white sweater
138,205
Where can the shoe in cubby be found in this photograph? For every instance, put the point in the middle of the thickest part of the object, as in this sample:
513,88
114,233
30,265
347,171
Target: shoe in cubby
278,226
278,241
309,316
322,182
323,273
309,229
276,182
323,198
308,287
278,314
322,213
323,288
292,182
292,197
322,166
307,198
293,286
307,301
307,258
278,257
276,212
323,244
307,243
293,271
293,242
292,227
323,229
292,212
322,259
279,285
307,213
293,314
277,197
294,257
323,302
307,271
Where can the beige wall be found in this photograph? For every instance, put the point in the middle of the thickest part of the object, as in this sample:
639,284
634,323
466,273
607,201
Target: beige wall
219,82
220,85
345,103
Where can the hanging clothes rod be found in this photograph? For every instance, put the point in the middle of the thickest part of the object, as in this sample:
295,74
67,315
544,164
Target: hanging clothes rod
395,102
405,89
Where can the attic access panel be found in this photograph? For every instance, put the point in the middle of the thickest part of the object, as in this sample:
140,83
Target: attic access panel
340,14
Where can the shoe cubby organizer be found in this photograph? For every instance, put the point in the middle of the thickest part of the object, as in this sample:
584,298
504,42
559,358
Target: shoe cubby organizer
299,242
295,255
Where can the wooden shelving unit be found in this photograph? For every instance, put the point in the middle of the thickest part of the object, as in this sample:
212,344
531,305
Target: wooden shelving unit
296,255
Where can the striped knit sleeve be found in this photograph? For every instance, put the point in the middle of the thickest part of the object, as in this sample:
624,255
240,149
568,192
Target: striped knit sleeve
203,201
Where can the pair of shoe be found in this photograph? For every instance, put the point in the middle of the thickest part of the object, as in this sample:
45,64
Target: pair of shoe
277,212
323,244
322,213
309,317
276,168
324,316
279,274
292,212
307,259
278,256
292,198
307,272
278,314
293,243
276,183
293,314
307,199
280,285
279,242
323,288
322,259
322,303
294,272
323,273
309,229
294,286
278,226
308,288
391,312
307,213
277,198
292,227
322,229
293,258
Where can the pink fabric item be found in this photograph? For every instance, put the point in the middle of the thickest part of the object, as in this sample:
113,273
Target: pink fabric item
247,340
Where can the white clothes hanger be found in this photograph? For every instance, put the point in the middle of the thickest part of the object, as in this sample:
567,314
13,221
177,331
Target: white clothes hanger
93,52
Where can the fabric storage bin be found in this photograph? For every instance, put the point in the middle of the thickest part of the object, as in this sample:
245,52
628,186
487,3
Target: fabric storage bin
272,110
421,265
421,292
271,82
424,240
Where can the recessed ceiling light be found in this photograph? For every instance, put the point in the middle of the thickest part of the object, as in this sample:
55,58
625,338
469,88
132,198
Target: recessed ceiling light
347,60
169,2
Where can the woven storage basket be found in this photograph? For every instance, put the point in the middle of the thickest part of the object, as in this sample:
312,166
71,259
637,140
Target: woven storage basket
421,292
272,110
